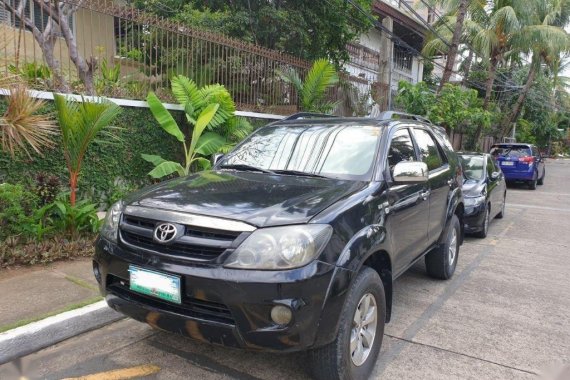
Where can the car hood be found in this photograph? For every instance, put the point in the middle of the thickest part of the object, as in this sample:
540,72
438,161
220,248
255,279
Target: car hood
255,198
472,188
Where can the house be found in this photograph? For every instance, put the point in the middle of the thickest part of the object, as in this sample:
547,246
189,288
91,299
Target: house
94,32
383,59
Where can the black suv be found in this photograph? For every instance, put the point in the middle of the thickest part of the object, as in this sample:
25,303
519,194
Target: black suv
293,240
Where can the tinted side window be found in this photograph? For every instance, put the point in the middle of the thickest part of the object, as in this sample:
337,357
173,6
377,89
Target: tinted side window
490,167
401,148
428,149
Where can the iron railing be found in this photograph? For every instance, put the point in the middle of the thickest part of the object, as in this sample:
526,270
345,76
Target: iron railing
134,52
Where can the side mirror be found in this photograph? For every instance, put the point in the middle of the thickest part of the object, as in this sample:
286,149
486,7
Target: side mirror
410,172
216,157
495,176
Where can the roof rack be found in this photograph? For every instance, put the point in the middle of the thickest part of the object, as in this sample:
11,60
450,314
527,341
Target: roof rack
308,115
395,115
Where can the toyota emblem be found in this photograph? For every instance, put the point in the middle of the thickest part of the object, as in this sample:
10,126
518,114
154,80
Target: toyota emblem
165,232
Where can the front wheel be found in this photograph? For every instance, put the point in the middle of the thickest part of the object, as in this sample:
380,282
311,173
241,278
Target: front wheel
485,227
501,214
352,355
532,184
441,261
541,180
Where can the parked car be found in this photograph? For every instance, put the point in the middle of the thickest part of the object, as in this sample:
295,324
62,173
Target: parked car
484,192
293,241
520,162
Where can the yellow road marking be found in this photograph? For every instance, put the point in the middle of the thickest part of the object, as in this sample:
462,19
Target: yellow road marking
121,374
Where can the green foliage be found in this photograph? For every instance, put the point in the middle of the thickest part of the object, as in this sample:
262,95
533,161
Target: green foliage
307,29
81,123
109,77
75,219
208,108
415,99
17,207
312,92
103,163
34,74
455,108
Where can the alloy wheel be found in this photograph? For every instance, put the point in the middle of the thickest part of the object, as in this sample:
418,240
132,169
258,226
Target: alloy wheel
452,252
363,330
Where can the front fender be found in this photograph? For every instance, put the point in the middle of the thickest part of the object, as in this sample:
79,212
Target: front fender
454,203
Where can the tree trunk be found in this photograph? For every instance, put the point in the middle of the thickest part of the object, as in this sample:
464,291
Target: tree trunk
46,41
490,81
467,67
84,68
47,47
488,92
512,117
452,53
72,187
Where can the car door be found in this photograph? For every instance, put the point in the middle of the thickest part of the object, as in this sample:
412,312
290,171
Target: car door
408,205
440,180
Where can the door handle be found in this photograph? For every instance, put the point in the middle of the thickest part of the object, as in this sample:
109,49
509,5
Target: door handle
425,194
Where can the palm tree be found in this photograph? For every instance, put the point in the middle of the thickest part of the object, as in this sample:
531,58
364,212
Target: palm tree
80,124
448,34
312,92
542,37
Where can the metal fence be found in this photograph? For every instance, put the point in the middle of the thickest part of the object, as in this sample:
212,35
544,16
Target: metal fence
135,52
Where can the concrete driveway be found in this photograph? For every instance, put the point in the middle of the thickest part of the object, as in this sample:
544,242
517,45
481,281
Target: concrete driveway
504,315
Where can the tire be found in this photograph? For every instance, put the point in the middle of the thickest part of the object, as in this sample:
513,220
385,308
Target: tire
335,361
485,227
541,180
532,184
501,214
440,262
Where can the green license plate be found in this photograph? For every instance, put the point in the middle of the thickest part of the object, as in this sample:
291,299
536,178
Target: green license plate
159,285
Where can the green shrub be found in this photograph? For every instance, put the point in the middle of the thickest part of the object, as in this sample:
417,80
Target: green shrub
17,207
73,220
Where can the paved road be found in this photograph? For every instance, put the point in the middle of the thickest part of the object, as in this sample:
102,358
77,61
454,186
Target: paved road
504,315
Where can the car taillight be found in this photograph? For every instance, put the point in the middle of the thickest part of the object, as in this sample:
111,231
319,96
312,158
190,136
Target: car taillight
528,160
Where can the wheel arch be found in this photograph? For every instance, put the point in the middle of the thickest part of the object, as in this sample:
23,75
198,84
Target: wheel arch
380,261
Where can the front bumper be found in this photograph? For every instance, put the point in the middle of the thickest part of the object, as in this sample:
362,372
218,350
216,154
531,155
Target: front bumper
227,306
474,217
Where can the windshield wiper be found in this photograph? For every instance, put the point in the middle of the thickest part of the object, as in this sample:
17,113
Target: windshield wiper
244,167
299,173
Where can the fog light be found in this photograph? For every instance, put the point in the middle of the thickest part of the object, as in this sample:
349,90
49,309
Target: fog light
96,271
281,314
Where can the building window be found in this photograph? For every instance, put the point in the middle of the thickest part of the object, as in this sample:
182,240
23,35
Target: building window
32,10
402,60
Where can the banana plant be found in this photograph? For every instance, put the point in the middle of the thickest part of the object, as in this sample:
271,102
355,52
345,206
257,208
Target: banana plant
211,112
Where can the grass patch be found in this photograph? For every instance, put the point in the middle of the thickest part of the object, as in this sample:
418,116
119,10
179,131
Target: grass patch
50,314
82,283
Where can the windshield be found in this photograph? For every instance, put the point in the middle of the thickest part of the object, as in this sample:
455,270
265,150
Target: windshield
510,151
472,167
340,151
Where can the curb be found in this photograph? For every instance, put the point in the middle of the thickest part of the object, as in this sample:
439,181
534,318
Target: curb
35,336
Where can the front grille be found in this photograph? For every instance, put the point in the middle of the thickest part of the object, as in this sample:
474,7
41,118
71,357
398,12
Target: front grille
198,244
190,307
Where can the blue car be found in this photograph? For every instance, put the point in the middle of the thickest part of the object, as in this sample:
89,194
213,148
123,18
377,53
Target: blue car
520,162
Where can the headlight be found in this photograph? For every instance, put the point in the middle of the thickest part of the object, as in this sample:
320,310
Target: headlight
281,247
111,224
474,201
